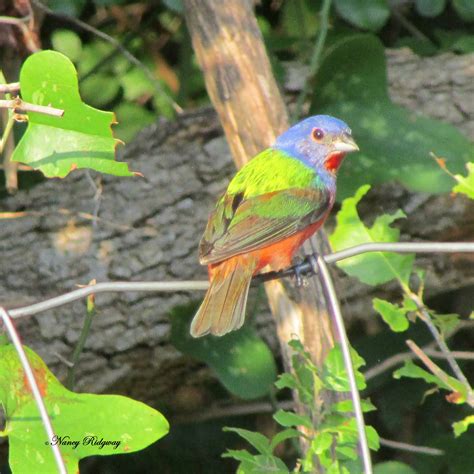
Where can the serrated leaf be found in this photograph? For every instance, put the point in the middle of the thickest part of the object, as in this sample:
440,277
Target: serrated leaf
395,143
82,138
99,424
366,14
334,370
372,268
461,427
289,418
395,316
257,440
393,467
466,183
242,361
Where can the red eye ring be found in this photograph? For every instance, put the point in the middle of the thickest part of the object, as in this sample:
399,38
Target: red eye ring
317,134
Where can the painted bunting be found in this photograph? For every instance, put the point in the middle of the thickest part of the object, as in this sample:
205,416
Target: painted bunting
271,206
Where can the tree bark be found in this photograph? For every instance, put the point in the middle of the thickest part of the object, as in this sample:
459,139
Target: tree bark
148,229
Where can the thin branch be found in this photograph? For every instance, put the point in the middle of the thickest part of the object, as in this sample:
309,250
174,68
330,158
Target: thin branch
11,20
333,305
436,370
19,105
315,58
90,313
11,88
34,388
426,318
410,447
398,359
304,268
125,52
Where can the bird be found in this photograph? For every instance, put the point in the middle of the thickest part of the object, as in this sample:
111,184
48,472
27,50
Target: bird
271,206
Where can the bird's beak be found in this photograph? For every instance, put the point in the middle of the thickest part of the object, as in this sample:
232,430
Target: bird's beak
345,144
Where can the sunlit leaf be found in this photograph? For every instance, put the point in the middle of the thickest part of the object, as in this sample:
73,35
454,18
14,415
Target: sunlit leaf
395,143
289,418
395,316
82,138
67,42
372,268
335,373
461,427
85,424
466,183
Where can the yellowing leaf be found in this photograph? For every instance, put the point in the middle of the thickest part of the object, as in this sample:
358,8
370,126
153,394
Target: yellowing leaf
84,424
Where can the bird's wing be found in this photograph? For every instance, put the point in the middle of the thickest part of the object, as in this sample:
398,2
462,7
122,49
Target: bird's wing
240,225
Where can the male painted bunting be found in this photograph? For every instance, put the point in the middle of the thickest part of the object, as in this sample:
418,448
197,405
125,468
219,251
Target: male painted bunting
271,206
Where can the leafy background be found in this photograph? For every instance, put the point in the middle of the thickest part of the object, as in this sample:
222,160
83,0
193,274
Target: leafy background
350,83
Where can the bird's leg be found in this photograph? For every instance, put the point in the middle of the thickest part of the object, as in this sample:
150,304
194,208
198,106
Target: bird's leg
299,271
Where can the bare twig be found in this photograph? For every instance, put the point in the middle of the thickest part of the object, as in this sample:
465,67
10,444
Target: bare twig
11,88
19,105
426,318
410,447
333,304
124,51
34,388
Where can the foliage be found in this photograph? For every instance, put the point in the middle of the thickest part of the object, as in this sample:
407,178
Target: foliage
332,442
395,143
82,138
241,360
100,424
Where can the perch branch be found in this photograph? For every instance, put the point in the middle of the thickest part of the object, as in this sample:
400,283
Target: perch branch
18,104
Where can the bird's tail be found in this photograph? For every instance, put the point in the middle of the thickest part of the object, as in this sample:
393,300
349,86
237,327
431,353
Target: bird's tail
223,308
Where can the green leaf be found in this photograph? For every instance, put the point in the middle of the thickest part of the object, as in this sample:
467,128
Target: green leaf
99,424
372,268
82,138
466,184
445,322
411,370
242,360
395,316
67,42
393,467
346,406
283,436
430,8
395,143
366,14
289,418
322,442
262,464
240,455
286,380
465,9
67,7
257,440
131,119
105,83
461,427
334,370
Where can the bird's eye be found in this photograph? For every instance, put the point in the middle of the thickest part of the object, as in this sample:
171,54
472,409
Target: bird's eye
317,134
